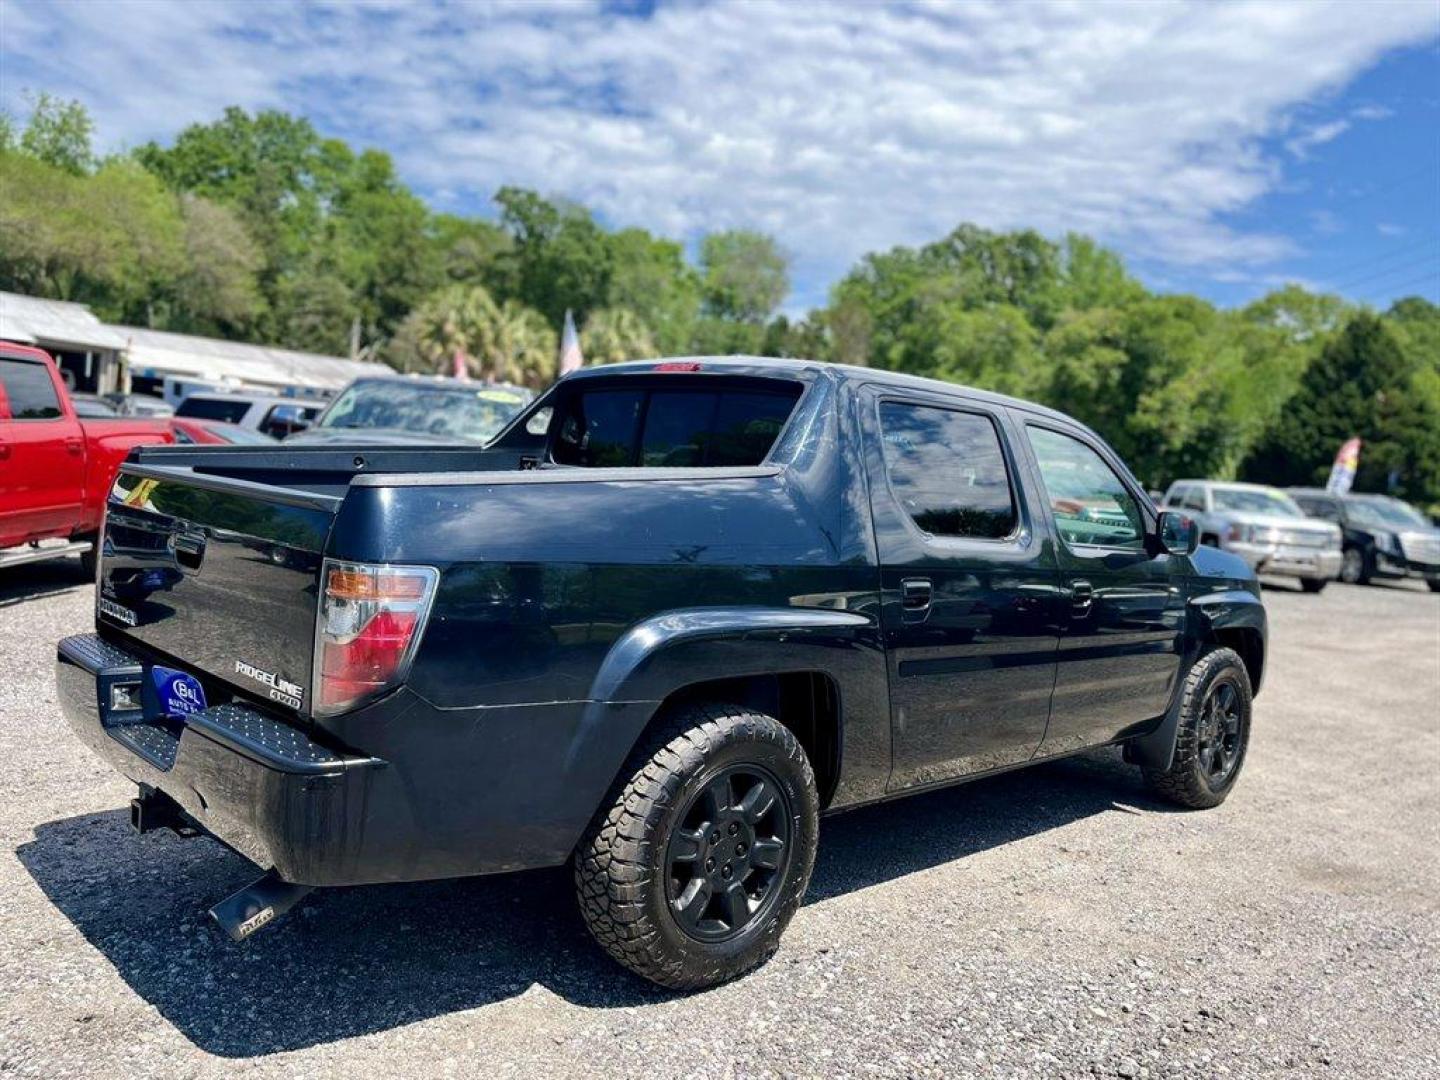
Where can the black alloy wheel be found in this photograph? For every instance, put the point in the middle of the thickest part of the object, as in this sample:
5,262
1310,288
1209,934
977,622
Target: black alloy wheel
1219,733
692,872
1211,735
729,851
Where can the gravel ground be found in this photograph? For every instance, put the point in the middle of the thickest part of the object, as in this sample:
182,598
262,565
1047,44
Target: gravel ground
1053,922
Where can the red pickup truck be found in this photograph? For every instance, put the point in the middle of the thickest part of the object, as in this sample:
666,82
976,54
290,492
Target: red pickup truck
55,469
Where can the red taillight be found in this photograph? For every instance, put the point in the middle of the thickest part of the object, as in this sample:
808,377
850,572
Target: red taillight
370,622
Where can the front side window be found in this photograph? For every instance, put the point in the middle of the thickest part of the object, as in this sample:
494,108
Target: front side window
1318,508
1090,504
29,390
681,428
947,470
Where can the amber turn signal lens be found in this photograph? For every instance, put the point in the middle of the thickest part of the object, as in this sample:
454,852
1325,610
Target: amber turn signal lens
358,585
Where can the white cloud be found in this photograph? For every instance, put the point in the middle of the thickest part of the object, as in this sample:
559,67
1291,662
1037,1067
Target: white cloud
1316,135
843,129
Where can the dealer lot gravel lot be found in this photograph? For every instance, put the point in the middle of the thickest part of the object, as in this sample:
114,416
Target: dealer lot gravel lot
1054,922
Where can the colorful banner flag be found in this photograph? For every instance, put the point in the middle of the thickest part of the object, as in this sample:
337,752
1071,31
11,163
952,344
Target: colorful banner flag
570,358
1342,473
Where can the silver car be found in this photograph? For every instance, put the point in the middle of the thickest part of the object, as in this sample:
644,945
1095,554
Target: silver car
1264,526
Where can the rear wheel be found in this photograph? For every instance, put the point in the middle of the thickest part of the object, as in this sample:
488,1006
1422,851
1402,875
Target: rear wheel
1354,567
1213,736
1313,584
1434,583
692,874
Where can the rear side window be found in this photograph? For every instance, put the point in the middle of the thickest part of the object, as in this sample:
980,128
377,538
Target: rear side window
947,470
232,412
30,392
662,428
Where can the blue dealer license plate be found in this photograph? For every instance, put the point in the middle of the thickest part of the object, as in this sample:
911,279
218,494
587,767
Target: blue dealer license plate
180,694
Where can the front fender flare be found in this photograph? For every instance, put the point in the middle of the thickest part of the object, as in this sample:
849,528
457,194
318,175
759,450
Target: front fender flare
1209,613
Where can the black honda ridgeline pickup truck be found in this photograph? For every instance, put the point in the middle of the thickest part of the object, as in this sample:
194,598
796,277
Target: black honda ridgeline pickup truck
673,614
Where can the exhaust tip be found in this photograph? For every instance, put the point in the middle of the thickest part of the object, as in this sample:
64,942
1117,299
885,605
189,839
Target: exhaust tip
257,905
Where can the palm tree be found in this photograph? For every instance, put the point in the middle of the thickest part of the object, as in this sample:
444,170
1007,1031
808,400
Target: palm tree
615,334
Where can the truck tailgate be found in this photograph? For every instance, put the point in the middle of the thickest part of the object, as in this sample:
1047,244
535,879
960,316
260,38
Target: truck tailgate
217,575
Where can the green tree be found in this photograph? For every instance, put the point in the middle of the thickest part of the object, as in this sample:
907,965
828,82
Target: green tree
744,275
1362,384
59,133
111,239
612,335
496,342
218,291
650,278
559,258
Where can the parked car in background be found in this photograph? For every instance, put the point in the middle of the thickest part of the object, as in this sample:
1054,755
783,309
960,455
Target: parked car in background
189,432
410,409
275,416
652,631
1262,525
1383,537
93,407
140,405
56,466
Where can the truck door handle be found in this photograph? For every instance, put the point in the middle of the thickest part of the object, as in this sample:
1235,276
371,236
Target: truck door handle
915,597
1082,595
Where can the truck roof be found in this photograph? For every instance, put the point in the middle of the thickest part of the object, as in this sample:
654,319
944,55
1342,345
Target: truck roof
790,368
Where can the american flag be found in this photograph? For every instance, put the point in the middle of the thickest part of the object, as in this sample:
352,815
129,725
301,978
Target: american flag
570,358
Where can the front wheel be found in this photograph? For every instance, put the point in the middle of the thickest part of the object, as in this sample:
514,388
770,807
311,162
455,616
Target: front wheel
1434,584
691,875
1313,584
1213,735
1354,569
90,560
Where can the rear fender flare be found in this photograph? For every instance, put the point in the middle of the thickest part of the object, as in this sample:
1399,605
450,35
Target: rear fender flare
665,653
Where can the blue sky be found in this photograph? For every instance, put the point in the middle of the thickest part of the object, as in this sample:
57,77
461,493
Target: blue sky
1222,148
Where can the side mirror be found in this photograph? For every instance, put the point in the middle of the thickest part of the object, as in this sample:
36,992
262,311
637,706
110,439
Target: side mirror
1177,533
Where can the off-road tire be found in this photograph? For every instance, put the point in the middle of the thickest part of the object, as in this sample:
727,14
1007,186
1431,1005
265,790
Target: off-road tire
1185,782
621,872
1314,584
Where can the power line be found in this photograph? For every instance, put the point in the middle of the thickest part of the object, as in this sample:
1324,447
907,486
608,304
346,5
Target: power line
1400,268
1394,291
1391,253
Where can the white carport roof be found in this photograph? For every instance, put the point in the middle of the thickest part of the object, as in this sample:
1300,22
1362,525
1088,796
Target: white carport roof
157,353
58,322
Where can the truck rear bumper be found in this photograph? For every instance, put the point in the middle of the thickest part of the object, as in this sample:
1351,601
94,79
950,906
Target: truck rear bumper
258,785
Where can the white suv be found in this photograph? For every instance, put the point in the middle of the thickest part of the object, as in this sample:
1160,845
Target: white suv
1262,525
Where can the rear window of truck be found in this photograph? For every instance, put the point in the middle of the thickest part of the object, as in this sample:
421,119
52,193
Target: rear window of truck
658,427
229,411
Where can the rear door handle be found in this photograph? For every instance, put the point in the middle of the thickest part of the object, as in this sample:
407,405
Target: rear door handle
1082,595
915,597
75,446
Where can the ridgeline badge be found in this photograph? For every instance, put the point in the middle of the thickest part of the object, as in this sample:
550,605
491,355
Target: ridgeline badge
282,690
